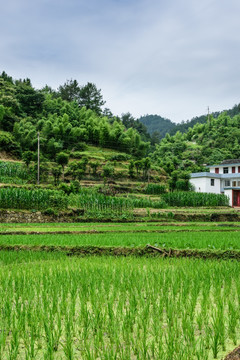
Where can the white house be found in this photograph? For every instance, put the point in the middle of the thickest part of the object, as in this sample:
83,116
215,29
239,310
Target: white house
222,179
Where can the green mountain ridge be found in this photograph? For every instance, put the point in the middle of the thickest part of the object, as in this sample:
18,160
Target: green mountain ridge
159,126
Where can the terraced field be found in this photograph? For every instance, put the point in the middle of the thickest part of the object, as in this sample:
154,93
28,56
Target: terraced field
211,236
146,306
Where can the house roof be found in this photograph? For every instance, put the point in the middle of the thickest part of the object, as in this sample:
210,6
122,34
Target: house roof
215,176
206,174
229,162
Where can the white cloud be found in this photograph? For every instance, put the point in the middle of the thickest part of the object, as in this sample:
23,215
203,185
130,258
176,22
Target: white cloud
173,58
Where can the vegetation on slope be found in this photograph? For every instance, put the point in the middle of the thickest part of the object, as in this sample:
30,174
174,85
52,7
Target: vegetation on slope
64,118
208,143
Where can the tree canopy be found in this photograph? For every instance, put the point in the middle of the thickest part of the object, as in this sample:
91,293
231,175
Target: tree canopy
66,119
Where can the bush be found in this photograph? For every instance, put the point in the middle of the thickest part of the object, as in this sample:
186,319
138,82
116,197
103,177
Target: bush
76,154
108,171
80,146
50,211
8,143
120,157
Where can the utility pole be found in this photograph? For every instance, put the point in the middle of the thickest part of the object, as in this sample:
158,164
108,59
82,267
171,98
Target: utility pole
38,174
208,115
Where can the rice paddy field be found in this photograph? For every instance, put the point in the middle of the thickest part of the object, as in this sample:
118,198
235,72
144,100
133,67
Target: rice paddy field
54,306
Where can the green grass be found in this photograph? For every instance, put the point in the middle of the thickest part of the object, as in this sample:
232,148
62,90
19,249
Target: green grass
94,152
187,240
121,227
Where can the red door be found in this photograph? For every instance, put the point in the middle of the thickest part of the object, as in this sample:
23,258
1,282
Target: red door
216,170
233,169
236,197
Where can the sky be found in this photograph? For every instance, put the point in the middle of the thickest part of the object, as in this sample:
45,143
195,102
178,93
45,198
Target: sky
173,58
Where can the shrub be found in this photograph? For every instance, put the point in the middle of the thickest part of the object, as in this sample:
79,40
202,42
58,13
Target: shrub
120,157
76,154
108,171
50,211
8,143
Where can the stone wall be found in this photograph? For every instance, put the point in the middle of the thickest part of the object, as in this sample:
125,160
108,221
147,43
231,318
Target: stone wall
7,216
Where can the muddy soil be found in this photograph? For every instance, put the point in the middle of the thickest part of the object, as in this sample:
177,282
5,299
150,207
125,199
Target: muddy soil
76,232
234,355
147,251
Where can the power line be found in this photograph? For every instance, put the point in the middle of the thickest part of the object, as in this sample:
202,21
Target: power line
38,177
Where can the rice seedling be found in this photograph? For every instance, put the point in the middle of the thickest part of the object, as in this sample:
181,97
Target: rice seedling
188,240
122,308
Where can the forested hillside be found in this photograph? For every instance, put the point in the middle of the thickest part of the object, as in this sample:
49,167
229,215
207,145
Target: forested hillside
158,126
66,119
72,118
207,143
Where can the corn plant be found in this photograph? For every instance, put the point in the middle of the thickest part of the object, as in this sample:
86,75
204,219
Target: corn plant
21,198
181,198
155,189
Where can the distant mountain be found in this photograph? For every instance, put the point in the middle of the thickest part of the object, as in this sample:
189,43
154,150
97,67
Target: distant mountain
156,123
160,126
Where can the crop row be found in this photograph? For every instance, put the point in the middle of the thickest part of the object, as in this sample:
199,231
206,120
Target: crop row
93,202
188,240
13,170
183,198
21,198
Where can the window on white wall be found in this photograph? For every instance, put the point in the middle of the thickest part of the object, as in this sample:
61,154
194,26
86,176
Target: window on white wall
212,182
234,183
227,183
225,170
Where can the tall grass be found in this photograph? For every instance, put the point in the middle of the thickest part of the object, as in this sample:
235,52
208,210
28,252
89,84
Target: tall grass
181,198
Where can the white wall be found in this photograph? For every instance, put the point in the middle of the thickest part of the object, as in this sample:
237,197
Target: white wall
199,184
203,184
229,194
212,169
